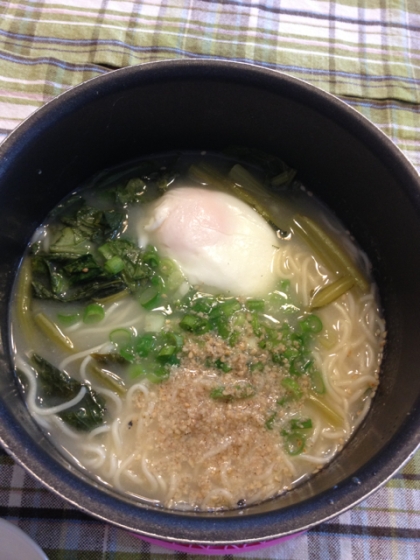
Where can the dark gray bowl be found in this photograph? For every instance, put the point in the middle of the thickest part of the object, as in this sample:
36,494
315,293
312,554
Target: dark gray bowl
340,156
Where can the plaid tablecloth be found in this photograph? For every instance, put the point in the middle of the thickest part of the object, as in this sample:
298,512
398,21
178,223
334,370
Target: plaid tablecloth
367,52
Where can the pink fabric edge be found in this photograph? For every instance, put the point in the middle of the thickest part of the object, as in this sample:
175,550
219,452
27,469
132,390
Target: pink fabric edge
216,550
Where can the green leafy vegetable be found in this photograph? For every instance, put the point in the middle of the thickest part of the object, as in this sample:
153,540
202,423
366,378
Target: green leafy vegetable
57,387
277,173
311,324
331,292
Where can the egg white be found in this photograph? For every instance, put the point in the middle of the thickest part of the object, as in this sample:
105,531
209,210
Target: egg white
217,240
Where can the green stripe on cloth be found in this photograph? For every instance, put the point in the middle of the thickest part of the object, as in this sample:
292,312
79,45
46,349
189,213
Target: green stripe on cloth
345,49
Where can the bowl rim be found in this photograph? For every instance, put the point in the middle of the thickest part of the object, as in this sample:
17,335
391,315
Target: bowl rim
181,527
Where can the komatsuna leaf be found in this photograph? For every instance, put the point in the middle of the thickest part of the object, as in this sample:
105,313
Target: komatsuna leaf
57,387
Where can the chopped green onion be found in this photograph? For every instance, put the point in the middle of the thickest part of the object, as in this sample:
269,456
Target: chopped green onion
329,293
149,298
234,338
284,285
173,276
226,309
290,353
255,305
294,443
239,319
136,371
167,266
158,375
158,282
145,344
166,354
93,313
189,322
270,421
238,391
174,280
300,365
128,353
256,325
121,337
311,324
296,424
114,265
151,257
106,251
68,319
175,339
292,387
317,382
222,326
220,364
203,304
258,366
195,324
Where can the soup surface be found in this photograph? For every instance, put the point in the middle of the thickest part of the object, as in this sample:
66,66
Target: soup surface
197,330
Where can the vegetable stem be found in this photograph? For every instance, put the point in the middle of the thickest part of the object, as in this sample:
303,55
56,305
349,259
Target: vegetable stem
53,331
328,251
330,413
205,173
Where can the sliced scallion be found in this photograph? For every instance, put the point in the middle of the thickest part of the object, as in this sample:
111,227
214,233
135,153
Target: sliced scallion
121,337
294,443
68,319
93,313
292,387
311,324
149,298
114,265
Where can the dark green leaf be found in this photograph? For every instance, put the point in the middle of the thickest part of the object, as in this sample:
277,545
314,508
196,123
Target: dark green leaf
54,383
87,414
57,387
82,269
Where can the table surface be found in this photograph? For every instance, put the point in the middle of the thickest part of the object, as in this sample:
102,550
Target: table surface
367,53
